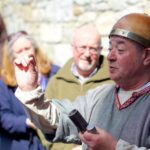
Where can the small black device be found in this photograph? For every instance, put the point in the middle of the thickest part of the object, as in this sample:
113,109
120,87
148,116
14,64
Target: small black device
80,122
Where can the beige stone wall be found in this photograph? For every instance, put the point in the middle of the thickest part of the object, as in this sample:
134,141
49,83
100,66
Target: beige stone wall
52,22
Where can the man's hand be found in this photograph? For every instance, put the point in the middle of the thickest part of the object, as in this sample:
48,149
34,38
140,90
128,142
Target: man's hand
30,124
99,141
26,72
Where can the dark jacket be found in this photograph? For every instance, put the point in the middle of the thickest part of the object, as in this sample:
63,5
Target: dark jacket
14,134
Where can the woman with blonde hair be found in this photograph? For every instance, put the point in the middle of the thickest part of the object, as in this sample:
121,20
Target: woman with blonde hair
19,43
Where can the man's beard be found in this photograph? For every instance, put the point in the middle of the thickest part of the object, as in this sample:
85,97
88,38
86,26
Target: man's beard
85,67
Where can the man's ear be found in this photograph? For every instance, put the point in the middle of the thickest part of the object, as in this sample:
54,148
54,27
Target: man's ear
147,57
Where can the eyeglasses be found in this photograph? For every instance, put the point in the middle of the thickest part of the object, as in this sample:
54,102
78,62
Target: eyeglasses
92,50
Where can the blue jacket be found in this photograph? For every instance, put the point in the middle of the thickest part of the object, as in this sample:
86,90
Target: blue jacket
44,80
14,134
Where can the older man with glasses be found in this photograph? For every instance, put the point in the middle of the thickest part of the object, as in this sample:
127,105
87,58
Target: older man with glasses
86,70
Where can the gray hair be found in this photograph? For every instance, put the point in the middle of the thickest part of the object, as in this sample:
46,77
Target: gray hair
14,37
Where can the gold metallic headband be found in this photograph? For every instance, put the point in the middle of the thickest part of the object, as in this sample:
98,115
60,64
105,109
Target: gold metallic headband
130,35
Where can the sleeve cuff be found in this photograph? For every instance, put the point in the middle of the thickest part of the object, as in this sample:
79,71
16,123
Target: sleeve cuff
27,96
123,145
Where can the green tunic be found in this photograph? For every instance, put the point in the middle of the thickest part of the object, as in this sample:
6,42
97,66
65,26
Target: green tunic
65,85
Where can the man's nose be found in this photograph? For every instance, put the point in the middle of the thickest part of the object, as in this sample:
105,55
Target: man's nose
111,55
87,52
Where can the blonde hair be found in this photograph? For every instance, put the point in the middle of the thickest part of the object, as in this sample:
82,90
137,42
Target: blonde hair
44,65
7,69
3,38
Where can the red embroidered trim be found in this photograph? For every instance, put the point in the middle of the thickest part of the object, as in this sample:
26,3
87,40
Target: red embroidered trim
133,98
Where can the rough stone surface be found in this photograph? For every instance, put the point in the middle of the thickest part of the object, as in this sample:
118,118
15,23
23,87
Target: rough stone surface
52,22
